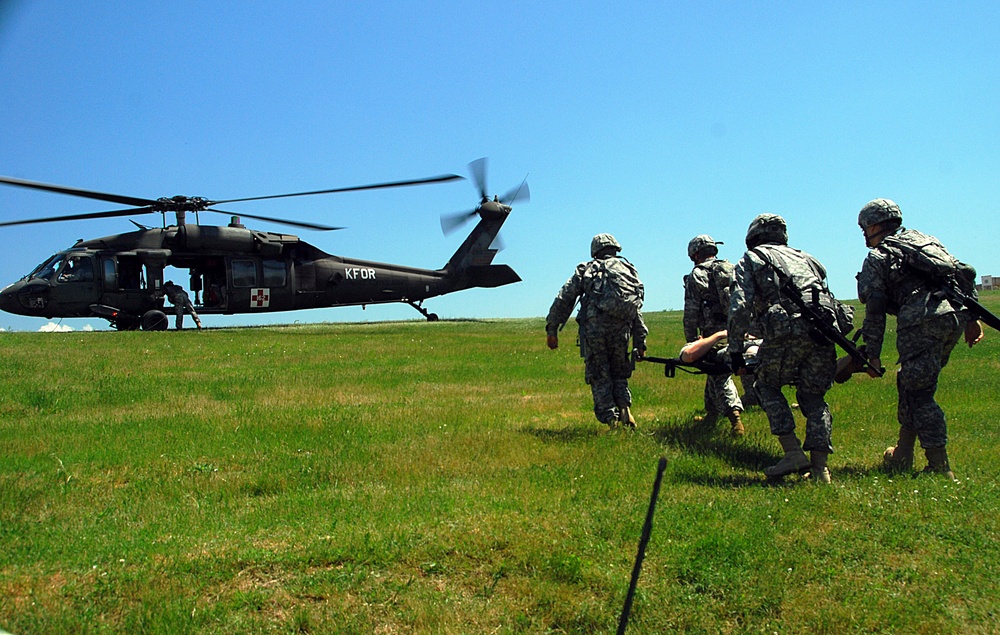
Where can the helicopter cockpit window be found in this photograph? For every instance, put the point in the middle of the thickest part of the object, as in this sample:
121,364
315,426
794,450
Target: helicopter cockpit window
77,269
48,268
274,273
244,273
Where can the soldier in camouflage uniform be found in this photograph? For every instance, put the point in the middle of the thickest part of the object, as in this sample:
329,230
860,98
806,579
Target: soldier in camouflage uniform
604,340
789,354
179,298
927,329
706,309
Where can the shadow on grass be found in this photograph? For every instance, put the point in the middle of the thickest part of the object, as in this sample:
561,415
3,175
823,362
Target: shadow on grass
713,439
704,439
709,440
567,434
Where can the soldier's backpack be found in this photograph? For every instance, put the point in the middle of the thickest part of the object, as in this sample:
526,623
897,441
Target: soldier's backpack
801,274
720,279
616,289
927,258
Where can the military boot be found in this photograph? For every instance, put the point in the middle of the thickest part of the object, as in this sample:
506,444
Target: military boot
937,462
795,460
737,423
899,458
818,471
627,419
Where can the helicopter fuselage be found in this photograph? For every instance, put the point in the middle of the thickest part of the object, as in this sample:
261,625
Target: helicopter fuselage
232,270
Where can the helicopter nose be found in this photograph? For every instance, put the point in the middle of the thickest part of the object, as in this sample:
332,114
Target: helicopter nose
20,299
8,299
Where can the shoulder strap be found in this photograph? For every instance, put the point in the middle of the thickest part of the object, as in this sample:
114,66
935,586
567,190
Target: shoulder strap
779,271
785,283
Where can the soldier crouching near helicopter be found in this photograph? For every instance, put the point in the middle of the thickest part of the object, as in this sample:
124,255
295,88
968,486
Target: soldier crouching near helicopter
179,298
927,328
606,325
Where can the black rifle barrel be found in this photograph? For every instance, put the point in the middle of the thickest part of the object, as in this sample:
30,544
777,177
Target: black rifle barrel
831,332
978,310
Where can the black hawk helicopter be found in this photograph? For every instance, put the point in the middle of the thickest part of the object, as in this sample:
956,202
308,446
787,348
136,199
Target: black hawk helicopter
234,269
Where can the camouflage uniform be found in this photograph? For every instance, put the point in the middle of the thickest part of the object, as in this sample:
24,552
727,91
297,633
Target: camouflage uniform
927,329
706,307
789,354
179,298
604,343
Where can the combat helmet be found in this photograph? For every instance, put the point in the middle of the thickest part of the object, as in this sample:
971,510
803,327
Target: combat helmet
767,228
603,241
702,241
880,210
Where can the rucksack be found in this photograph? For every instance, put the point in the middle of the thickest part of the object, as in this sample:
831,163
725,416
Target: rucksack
927,258
720,279
804,278
616,289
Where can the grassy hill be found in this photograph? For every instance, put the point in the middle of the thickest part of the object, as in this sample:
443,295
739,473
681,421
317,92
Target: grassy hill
450,477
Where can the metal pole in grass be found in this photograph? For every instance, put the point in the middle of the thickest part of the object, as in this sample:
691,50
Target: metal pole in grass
647,528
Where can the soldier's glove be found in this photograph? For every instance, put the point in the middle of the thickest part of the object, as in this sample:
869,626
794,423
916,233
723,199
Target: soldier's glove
736,362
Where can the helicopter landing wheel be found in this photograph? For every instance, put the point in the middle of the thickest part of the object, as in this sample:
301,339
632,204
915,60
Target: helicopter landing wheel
154,320
431,317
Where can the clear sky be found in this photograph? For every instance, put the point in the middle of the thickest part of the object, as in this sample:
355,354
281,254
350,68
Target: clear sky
654,121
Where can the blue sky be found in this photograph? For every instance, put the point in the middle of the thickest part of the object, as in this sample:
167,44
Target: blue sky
655,123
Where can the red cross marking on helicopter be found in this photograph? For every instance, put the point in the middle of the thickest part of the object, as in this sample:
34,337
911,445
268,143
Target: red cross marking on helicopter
260,298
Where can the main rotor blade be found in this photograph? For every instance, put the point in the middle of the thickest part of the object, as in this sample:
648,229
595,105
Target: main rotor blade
284,221
451,222
517,194
72,191
478,170
111,214
375,186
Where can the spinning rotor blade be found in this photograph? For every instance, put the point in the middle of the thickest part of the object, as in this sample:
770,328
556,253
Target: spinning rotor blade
294,223
111,214
478,170
72,191
517,194
375,186
451,222
180,204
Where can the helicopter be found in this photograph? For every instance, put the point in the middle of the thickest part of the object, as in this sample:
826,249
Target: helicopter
234,269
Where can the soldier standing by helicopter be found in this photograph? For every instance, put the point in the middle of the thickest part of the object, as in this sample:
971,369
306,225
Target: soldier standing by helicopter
610,295
179,298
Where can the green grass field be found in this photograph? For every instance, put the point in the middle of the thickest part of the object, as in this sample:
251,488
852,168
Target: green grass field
449,477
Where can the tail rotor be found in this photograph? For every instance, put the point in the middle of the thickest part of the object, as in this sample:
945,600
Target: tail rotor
500,204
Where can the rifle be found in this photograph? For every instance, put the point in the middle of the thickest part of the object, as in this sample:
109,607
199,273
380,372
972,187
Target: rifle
978,311
823,331
700,367
826,330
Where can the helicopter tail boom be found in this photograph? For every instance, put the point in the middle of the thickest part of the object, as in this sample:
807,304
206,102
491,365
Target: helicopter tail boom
488,276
